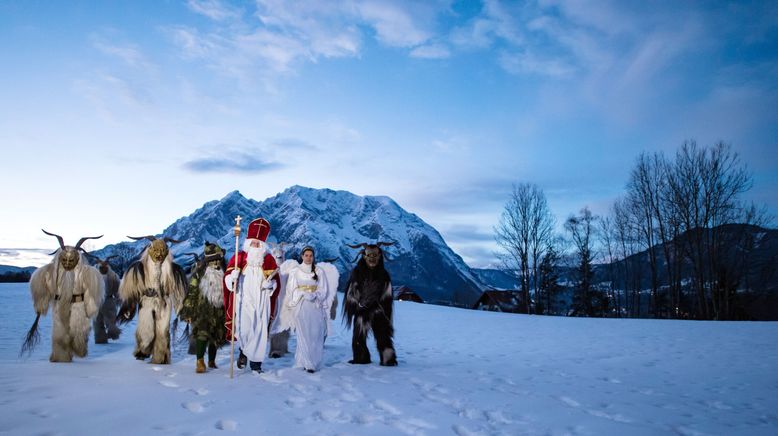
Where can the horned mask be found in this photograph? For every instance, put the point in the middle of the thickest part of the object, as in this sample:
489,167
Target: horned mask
69,256
158,250
372,252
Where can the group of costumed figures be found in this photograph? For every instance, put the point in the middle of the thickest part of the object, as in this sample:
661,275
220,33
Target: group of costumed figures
254,300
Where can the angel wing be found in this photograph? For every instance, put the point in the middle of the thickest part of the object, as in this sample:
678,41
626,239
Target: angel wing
332,275
282,321
287,267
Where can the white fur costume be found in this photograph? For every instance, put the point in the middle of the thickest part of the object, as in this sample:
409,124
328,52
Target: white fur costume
75,296
157,288
306,310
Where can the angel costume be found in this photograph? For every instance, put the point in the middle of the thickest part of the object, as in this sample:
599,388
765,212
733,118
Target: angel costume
306,309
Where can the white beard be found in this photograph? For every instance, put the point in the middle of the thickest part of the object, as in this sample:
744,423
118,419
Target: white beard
67,283
211,286
256,255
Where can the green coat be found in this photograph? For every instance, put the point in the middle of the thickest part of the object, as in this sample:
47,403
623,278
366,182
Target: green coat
207,321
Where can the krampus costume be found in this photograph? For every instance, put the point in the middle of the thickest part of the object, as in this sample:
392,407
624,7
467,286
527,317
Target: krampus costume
105,321
310,291
256,282
76,290
368,305
154,286
204,305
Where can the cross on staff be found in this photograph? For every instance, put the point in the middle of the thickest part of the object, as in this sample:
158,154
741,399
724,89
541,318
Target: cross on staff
234,293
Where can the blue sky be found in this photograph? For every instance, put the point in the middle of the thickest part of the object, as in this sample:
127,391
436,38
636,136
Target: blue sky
119,117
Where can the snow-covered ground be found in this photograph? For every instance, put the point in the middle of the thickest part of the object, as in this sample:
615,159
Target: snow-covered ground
461,372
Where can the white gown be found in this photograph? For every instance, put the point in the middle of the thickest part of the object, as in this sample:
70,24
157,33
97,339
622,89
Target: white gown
253,308
307,299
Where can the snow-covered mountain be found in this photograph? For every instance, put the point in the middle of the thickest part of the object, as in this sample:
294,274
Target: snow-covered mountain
328,220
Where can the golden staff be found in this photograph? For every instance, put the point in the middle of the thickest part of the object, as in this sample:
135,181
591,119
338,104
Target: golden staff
235,292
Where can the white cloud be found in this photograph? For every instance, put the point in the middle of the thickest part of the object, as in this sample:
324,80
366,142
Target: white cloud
130,54
213,9
530,63
431,51
394,25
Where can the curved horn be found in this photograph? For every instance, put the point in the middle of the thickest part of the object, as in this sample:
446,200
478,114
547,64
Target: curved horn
171,240
362,245
330,260
385,244
59,238
81,241
138,238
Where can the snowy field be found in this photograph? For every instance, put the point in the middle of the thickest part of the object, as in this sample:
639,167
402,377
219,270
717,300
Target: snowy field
461,372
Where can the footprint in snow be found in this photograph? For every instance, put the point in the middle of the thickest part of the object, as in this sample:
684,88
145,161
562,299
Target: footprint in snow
410,428
386,407
461,430
226,424
41,413
332,416
295,402
193,406
570,402
200,391
169,383
601,414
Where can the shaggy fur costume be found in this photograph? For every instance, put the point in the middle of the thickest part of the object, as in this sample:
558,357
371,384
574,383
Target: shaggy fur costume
368,306
75,296
105,322
155,288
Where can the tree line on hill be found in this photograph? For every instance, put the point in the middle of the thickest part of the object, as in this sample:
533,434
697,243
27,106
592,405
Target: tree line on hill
680,243
15,277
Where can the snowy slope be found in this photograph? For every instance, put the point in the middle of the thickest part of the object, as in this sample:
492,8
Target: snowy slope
329,220
461,372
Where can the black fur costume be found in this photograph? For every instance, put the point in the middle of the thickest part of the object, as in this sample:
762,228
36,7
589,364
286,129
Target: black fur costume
368,305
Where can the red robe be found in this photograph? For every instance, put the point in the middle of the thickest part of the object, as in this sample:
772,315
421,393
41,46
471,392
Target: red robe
268,263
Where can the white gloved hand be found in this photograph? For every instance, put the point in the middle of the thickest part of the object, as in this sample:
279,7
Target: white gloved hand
231,279
269,285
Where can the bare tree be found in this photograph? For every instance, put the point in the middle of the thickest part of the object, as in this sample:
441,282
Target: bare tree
625,230
643,196
705,186
524,233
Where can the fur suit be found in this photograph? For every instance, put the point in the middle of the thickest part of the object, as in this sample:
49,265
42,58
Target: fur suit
156,288
368,306
75,296
105,322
